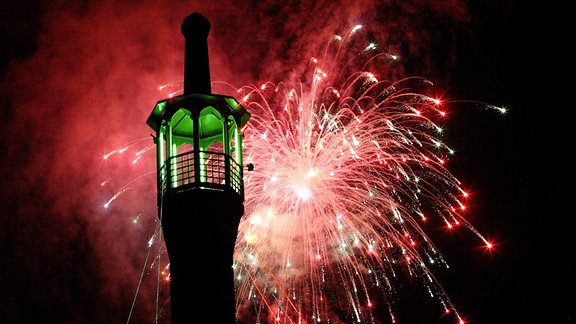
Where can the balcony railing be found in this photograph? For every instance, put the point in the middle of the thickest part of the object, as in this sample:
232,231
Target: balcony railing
211,171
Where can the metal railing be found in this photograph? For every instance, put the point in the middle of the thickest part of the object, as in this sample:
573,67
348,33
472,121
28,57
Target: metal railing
216,171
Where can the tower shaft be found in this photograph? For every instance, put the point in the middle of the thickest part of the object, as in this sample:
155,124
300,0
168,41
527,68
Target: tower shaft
200,244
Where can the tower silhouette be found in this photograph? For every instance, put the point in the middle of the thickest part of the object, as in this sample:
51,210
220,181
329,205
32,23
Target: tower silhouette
200,185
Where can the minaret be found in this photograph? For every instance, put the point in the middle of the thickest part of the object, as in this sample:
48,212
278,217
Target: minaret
200,186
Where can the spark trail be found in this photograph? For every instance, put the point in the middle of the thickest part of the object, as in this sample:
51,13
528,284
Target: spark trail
348,169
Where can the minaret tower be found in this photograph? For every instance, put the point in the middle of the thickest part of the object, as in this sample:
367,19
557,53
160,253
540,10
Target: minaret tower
200,185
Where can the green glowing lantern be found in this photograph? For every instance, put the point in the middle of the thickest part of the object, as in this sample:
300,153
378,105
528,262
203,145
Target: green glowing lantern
199,143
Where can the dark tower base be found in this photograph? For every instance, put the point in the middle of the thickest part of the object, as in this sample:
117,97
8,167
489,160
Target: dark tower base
200,243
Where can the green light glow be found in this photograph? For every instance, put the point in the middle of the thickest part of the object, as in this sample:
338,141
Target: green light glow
199,141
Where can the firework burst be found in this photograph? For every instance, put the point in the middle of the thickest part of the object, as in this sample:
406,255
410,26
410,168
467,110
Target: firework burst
348,168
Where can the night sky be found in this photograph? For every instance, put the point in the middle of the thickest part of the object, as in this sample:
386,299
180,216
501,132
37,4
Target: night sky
78,81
